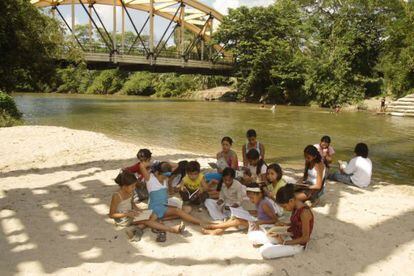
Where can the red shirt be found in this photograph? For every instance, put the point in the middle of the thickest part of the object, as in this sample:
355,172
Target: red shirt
134,169
296,223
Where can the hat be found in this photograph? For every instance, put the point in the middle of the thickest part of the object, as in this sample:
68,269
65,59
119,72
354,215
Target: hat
253,189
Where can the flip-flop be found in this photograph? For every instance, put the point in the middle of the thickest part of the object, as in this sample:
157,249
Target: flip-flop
137,235
161,237
181,228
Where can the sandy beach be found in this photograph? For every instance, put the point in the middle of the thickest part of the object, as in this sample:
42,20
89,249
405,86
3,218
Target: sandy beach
55,189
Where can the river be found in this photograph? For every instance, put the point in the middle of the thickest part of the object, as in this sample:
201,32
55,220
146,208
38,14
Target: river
199,127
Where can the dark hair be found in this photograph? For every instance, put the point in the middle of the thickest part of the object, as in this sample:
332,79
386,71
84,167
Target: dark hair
162,167
144,154
313,151
180,170
227,139
125,178
253,154
277,169
326,139
285,194
226,172
192,166
361,149
255,185
251,133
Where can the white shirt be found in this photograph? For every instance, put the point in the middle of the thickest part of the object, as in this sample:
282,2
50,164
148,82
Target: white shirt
154,185
360,169
252,169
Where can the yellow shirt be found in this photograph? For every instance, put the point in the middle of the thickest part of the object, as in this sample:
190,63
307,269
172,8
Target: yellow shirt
276,188
193,185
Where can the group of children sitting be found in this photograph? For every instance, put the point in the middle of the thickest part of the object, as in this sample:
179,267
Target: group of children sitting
253,196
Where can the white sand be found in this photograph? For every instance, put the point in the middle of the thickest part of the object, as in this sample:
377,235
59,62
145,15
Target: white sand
55,188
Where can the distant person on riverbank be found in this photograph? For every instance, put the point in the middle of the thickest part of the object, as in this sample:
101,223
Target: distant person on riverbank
382,105
273,108
358,171
313,176
125,213
193,187
326,150
231,194
300,227
252,143
255,171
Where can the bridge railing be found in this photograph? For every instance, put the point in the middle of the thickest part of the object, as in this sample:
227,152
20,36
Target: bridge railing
97,47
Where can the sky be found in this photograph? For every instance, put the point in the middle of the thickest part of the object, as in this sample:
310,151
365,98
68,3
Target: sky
139,17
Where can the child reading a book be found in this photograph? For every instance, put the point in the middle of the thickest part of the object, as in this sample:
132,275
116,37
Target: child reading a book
193,187
300,227
274,179
231,195
256,169
252,143
265,214
158,195
125,213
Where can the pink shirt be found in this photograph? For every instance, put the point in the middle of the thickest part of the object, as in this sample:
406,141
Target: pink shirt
330,149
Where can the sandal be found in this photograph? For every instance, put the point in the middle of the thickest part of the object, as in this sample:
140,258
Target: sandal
137,235
161,237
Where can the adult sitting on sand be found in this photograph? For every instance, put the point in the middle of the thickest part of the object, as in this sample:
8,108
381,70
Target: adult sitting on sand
299,231
359,170
313,176
123,209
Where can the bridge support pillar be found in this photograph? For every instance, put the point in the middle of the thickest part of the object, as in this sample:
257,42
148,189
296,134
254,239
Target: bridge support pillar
114,46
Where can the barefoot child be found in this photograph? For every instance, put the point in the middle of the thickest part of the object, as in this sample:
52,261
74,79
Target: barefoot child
158,195
252,143
123,210
231,195
300,227
265,213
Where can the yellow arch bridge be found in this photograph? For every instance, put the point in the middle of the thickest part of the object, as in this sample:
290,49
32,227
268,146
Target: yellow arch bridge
189,23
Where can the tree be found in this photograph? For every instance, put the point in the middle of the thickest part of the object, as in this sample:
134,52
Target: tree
29,43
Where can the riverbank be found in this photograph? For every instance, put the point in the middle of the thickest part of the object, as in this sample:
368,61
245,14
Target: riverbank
55,188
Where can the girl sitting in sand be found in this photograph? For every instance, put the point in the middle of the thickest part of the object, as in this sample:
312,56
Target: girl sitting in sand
252,143
123,210
326,150
227,157
231,195
144,161
176,176
265,214
256,168
299,231
158,195
193,187
274,179
313,176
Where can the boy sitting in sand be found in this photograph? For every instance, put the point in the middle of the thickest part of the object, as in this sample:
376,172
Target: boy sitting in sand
193,187
124,211
252,143
265,214
231,195
256,168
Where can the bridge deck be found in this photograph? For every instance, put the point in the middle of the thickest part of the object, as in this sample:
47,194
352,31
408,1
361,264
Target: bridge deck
161,64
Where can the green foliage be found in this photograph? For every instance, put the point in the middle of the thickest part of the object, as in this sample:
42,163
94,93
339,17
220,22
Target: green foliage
107,82
29,41
8,106
140,83
173,85
75,79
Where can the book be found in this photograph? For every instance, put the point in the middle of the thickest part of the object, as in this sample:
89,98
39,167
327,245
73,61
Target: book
143,215
175,202
281,230
242,214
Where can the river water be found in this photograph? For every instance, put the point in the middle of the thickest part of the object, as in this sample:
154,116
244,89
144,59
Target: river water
199,127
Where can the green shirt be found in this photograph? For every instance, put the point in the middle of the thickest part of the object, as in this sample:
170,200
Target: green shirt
274,189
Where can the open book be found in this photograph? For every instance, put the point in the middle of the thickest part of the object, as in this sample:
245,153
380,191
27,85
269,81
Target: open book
143,215
281,230
242,214
175,202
